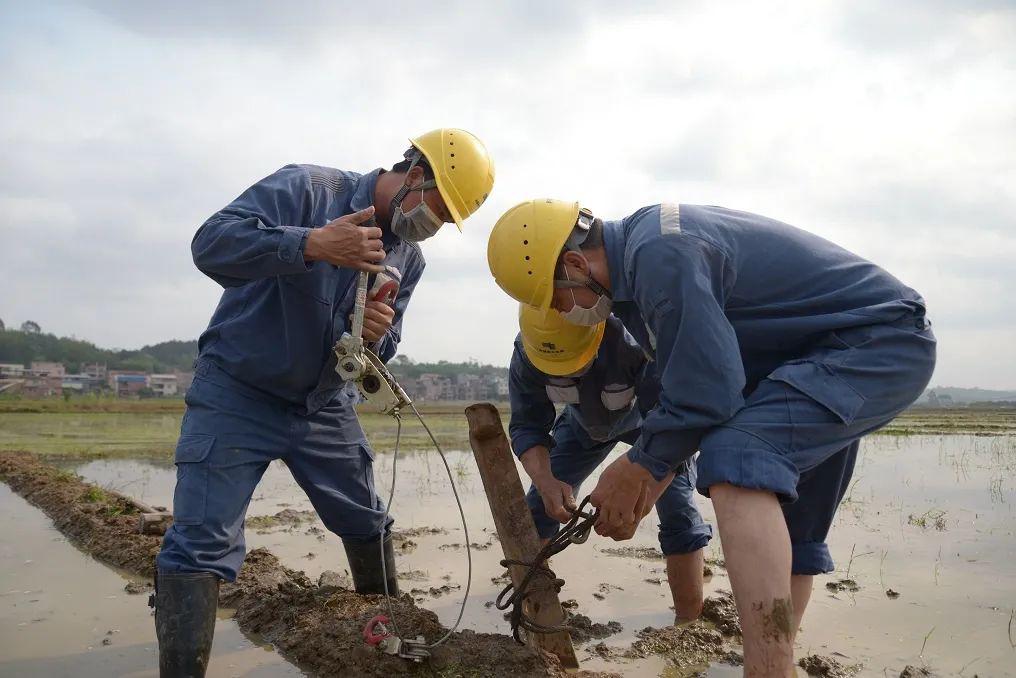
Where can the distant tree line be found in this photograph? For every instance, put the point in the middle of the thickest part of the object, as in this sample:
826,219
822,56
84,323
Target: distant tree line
403,366
27,346
30,345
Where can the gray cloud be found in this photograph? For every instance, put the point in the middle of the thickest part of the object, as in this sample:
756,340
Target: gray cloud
917,206
903,26
125,124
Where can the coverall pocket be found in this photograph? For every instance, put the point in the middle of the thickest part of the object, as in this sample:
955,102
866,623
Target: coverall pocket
317,284
820,383
367,455
563,394
191,494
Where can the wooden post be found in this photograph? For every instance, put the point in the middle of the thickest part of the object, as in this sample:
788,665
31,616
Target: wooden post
154,523
515,526
151,520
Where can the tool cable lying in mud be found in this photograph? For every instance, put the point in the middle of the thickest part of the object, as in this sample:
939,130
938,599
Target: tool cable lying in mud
575,531
416,650
358,364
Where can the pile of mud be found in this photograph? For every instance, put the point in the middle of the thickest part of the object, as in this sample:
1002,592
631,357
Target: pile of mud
688,646
101,524
318,627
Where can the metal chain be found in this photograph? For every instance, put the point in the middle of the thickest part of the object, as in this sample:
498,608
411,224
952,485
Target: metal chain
575,531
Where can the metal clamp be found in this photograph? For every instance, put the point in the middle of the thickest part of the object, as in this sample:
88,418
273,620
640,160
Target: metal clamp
351,364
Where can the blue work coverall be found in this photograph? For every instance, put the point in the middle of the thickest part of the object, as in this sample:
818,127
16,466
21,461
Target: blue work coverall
602,407
265,385
777,351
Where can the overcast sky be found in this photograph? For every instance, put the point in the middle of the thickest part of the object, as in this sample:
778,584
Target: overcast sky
889,128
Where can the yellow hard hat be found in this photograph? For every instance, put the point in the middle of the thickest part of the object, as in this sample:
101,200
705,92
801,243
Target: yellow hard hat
554,345
463,170
524,247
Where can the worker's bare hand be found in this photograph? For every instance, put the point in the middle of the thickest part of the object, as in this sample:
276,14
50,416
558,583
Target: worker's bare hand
345,242
625,493
377,318
557,498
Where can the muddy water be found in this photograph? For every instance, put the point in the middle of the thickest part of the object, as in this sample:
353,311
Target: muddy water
930,517
64,614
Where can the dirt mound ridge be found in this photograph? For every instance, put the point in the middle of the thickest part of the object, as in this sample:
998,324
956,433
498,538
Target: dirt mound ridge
99,523
320,628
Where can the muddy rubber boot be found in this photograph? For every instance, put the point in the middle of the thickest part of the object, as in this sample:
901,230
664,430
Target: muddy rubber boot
185,604
365,566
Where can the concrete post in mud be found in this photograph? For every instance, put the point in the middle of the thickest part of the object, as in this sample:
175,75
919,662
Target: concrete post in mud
515,527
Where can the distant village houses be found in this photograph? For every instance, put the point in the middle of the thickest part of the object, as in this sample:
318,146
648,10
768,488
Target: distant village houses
430,387
48,379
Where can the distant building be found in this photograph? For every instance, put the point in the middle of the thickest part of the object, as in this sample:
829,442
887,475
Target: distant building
48,369
467,387
79,383
94,370
127,383
42,380
163,385
435,387
112,375
41,385
11,371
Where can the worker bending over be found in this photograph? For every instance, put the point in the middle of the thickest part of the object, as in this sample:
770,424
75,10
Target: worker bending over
602,378
777,352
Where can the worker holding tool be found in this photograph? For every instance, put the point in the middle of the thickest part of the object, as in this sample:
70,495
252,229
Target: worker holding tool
289,252
606,384
777,352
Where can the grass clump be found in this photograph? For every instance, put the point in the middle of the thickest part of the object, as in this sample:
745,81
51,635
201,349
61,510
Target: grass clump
94,495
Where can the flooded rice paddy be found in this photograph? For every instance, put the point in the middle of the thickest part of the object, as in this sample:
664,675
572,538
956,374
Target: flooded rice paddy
926,537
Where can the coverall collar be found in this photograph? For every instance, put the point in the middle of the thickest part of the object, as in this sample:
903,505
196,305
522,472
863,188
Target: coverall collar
363,194
363,197
614,242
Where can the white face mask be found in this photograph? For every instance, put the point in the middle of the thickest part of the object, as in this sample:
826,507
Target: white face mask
418,223
580,315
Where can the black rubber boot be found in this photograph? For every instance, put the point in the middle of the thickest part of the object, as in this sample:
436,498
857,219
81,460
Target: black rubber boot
185,604
365,566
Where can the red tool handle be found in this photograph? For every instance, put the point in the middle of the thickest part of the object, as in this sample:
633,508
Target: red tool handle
369,635
386,292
